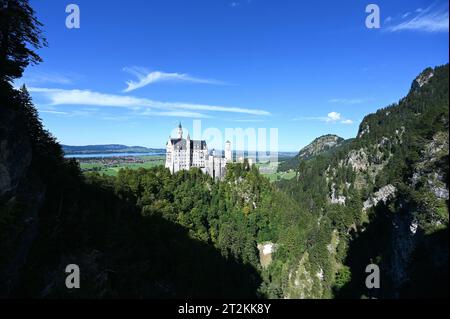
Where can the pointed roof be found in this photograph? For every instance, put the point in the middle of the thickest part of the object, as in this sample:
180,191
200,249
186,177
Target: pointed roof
179,125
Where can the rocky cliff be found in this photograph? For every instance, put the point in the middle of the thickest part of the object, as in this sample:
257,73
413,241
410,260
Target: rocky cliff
21,196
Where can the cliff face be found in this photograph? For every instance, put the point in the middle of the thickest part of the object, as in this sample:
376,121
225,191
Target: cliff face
15,152
21,196
422,79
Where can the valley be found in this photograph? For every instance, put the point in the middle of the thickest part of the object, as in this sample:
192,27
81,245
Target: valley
369,191
389,183
112,164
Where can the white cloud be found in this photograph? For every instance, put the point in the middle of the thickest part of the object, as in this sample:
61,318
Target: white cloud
146,78
427,20
332,117
87,97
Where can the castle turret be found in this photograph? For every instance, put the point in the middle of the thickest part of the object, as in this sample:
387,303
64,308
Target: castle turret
188,151
169,155
180,131
228,152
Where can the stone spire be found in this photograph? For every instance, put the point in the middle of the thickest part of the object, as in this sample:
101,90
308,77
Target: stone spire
180,131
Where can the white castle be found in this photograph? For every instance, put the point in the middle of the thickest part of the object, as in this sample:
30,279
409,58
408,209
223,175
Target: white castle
186,153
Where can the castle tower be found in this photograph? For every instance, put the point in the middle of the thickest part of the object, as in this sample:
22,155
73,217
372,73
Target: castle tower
169,155
228,152
212,164
180,131
188,151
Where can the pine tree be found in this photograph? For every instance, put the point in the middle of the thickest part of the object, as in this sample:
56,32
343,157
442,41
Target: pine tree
19,30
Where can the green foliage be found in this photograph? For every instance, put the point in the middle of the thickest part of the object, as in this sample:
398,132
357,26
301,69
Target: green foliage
343,277
19,29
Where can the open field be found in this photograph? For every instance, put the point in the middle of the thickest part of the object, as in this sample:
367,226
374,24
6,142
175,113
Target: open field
273,177
269,170
112,165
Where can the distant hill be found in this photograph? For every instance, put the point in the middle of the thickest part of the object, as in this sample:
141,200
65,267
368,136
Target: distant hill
109,148
318,146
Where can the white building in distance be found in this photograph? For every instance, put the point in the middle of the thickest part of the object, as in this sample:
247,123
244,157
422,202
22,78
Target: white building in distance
186,153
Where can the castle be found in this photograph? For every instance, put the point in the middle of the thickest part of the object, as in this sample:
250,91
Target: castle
186,153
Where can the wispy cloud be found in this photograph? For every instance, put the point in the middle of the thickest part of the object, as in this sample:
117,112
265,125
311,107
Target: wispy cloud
83,112
53,112
41,78
405,15
87,97
346,101
248,120
235,4
431,19
332,117
175,114
146,78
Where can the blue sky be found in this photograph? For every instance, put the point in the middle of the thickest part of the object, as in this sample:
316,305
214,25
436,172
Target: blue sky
135,68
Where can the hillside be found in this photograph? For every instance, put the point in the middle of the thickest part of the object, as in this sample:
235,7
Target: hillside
381,198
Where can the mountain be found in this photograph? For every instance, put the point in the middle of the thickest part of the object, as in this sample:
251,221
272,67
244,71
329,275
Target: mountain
381,198
109,148
318,146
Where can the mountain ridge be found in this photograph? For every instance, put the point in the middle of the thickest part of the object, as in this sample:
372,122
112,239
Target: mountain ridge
318,146
108,148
